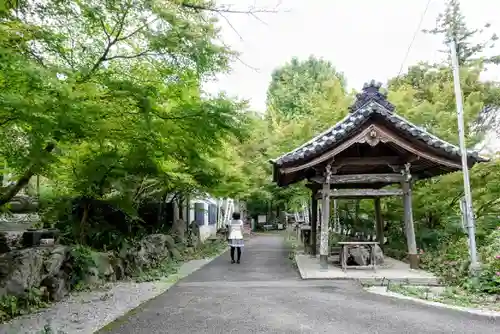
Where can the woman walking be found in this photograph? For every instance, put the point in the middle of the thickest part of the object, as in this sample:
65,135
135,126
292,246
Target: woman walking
235,229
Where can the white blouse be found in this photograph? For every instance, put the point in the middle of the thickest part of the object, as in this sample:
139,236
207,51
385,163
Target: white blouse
235,229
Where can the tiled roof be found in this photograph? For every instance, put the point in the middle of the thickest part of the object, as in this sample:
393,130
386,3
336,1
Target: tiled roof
368,103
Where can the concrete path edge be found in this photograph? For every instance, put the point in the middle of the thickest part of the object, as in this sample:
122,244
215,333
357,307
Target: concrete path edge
185,270
380,290
305,277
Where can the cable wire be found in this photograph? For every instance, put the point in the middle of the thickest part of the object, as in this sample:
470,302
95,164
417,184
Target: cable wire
422,16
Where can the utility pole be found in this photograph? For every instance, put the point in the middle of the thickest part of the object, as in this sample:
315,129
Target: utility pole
469,213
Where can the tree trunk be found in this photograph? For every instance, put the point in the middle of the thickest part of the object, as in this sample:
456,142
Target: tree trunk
23,181
176,210
83,222
188,211
177,224
181,207
161,209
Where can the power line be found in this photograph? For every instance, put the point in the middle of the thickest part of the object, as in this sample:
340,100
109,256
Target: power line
414,36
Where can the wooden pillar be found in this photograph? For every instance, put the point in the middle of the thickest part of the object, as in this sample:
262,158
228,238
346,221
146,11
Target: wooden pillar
379,222
314,222
408,217
325,208
336,218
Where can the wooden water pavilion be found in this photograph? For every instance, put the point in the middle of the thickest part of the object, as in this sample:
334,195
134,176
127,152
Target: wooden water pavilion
371,148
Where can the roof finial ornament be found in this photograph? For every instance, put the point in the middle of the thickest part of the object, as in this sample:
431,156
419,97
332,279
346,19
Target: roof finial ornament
372,85
371,92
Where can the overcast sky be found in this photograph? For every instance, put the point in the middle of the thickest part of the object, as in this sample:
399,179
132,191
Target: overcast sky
365,39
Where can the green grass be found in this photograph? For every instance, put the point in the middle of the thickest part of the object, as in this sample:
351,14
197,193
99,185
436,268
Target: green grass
164,269
450,295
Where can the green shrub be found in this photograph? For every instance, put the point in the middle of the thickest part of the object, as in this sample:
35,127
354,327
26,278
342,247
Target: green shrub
82,260
489,280
12,306
450,262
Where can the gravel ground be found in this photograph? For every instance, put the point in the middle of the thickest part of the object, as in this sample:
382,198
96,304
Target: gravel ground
87,312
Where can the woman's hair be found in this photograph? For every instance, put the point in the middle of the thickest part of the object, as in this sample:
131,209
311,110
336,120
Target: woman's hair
236,215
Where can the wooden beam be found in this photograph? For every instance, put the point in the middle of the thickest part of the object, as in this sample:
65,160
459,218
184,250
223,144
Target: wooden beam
381,161
363,193
361,178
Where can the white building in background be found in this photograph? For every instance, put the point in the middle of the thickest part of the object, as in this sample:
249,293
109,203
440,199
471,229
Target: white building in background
212,213
201,211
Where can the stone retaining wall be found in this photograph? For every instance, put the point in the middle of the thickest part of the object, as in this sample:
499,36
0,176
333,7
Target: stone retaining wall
56,269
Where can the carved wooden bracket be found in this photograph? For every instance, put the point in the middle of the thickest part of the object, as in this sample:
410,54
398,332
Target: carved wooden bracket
328,173
335,169
406,172
373,137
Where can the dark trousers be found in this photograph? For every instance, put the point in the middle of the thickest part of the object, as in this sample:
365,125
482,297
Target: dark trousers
238,253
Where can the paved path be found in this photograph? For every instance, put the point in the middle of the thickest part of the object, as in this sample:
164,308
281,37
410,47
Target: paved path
264,295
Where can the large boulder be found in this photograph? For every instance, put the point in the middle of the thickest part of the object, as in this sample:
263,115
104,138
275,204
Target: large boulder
24,269
91,277
54,262
104,265
178,229
52,268
56,287
153,249
148,253
379,255
10,240
359,255
194,239
119,266
21,270
172,248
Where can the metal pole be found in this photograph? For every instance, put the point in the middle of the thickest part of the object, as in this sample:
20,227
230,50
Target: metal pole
469,214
